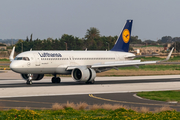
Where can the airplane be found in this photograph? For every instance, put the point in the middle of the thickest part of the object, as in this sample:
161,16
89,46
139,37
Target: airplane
82,65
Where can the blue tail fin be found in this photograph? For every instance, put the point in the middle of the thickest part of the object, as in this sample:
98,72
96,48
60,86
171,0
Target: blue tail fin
122,43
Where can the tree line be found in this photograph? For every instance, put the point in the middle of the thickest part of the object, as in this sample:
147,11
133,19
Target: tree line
73,43
92,41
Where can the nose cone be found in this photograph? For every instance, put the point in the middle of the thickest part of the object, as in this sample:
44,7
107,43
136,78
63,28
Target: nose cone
14,66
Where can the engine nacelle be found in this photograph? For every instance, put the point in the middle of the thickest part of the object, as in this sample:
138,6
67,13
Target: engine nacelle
83,74
34,76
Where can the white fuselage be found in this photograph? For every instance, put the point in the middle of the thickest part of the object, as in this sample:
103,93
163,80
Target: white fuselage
56,62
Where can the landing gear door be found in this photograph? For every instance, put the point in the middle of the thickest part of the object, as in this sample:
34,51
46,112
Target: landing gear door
37,60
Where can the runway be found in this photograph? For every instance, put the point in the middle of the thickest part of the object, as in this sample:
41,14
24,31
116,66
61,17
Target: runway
114,90
4,64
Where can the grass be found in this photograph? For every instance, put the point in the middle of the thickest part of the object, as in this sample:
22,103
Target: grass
153,46
153,67
175,58
161,95
154,58
170,69
6,60
114,73
85,106
103,112
4,68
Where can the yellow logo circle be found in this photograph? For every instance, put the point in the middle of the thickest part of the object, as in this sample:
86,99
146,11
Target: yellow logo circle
126,35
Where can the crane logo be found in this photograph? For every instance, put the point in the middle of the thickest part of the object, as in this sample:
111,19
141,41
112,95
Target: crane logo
126,35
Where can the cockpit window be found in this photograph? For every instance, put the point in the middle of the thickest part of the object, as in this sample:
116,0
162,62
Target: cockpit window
22,58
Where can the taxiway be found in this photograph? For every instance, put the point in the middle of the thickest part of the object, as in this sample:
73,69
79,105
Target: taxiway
14,92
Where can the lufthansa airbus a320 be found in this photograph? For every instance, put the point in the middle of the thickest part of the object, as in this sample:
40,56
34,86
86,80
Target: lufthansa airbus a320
82,65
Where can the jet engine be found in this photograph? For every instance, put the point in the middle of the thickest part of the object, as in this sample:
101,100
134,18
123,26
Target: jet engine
34,76
83,74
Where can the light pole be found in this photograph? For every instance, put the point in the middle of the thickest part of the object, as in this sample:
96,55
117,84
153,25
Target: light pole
108,45
66,45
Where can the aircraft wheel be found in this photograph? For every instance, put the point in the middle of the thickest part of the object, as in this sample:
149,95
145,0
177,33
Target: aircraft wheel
58,80
90,82
53,80
29,82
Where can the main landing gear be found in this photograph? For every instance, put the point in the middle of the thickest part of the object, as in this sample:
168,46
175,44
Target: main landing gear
90,82
56,79
29,80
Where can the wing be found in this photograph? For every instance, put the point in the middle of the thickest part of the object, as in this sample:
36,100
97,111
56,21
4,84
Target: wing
122,64
107,65
115,64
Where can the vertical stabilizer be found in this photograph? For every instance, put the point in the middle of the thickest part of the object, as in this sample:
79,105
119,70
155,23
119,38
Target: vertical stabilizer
122,43
11,57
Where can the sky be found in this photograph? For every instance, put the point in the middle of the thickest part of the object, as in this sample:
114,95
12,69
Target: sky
152,19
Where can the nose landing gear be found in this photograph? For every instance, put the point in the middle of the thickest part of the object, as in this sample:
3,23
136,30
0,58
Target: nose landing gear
29,80
56,79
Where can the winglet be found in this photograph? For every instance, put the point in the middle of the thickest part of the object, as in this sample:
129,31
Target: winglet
169,55
11,57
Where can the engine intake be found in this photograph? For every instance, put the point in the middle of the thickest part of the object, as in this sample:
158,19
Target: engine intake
83,74
34,76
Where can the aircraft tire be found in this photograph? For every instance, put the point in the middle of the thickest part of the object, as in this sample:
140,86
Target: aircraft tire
90,82
53,80
58,80
29,82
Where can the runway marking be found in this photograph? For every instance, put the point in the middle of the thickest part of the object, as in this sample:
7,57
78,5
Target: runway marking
24,101
100,98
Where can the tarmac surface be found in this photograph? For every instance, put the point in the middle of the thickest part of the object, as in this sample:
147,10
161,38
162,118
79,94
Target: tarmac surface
15,93
4,64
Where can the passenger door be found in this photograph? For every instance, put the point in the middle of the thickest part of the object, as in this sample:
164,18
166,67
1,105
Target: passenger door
37,60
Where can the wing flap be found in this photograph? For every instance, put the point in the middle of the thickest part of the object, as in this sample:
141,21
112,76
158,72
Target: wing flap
123,64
